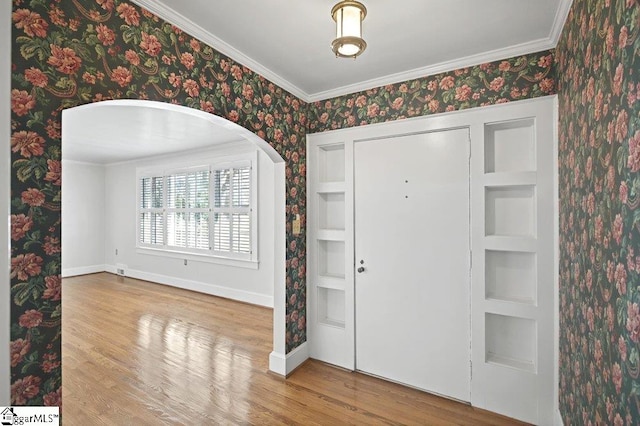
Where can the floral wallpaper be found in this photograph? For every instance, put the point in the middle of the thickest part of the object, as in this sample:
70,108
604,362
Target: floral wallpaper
513,79
598,60
72,52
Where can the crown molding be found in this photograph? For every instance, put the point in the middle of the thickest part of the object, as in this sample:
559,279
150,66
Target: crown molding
218,44
223,47
558,22
467,61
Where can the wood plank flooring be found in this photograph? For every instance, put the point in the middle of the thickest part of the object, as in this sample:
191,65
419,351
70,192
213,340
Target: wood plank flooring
137,353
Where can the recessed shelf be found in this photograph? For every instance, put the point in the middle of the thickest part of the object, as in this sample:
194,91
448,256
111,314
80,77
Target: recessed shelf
510,146
331,163
510,341
331,211
326,187
510,178
510,211
331,259
331,307
510,276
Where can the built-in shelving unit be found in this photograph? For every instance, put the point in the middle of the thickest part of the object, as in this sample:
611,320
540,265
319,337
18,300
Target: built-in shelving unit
329,277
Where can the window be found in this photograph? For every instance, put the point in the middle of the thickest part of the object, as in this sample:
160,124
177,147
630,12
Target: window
206,210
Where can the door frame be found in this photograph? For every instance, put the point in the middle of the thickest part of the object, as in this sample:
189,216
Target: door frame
339,347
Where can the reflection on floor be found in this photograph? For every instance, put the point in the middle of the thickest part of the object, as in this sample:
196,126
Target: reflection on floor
138,353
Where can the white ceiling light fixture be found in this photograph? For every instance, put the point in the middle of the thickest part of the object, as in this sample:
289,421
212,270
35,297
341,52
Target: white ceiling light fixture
348,16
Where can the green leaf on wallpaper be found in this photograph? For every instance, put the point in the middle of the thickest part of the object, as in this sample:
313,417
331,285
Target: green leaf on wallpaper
84,93
128,34
21,293
36,118
162,38
100,51
636,217
24,171
29,361
92,40
621,309
81,49
57,312
35,3
31,47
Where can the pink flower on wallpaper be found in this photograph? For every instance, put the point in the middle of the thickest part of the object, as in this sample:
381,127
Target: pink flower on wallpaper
496,84
622,123
150,44
545,61
21,102
122,76
89,78
187,60
195,45
633,161
547,85
36,77
20,225
590,318
24,266
397,103
504,66
64,59
447,83
373,110
28,143
129,14
53,288
236,72
53,399
22,390
106,4
207,106
598,228
50,362
30,319
51,245
633,321
106,35
132,57
589,167
233,116
31,22
19,348
247,91
33,197
54,172
191,87
463,93
617,228
433,105
617,80
622,348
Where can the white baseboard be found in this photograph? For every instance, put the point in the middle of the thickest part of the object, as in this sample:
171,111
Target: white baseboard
285,364
557,421
83,270
212,289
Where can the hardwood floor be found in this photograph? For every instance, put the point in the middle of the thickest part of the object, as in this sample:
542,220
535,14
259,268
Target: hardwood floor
137,353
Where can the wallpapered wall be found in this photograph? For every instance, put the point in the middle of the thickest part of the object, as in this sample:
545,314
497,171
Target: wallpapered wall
599,140
67,53
79,51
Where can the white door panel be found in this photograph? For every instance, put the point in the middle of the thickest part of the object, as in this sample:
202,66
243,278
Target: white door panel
412,232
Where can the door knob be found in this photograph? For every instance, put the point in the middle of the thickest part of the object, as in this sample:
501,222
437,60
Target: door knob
361,269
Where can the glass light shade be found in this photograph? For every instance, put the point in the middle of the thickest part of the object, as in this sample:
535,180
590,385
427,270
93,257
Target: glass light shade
348,16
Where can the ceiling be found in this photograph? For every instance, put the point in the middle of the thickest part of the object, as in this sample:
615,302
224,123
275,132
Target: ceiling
115,131
288,41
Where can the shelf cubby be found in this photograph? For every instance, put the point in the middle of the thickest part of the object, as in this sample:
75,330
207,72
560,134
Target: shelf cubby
510,341
331,163
331,210
510,211
331,307
510,146
510,276
331,259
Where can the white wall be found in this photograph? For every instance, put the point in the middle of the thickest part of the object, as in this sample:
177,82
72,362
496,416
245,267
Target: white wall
5,135
83,202
249,285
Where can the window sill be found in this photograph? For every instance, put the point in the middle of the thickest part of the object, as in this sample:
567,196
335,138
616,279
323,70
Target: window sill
236,263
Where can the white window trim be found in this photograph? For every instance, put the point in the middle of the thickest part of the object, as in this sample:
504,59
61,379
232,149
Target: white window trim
214,163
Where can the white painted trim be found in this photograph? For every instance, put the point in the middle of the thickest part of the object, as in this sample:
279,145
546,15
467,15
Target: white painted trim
556,266
560,19
5,202
206,288
467,61
557,420
223,47
83,270
218,44
285,364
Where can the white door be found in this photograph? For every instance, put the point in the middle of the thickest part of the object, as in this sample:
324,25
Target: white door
412,260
